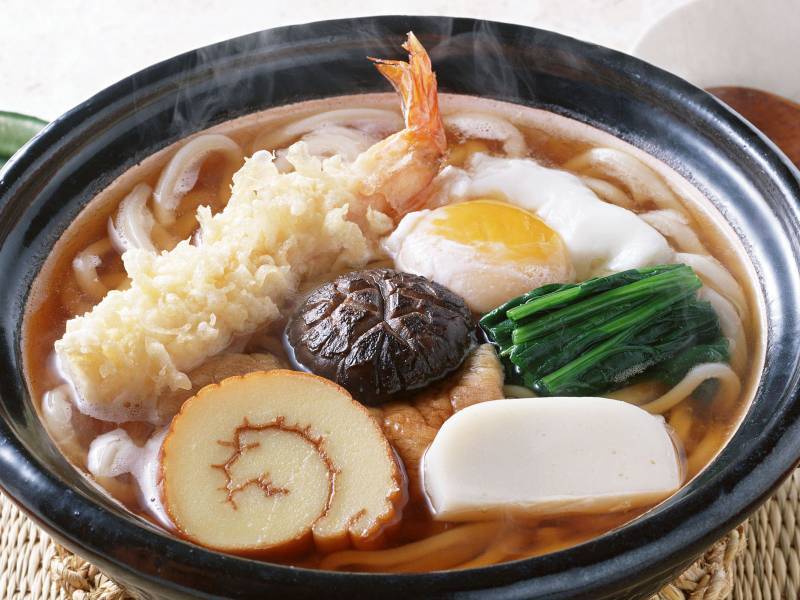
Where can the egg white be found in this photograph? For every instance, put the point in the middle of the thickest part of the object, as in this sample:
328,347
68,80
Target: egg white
601,237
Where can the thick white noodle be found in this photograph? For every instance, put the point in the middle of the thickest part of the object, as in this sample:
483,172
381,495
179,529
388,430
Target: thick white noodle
337,141
488,127
609,192
641,181
375,122
473,534
330,140
635,393
518,391
114,453
57,416
730,322
681,421
730,386
675,226
715,276
132,226
181,174
85,264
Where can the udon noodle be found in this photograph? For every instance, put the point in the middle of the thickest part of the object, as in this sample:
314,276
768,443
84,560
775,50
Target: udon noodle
152,208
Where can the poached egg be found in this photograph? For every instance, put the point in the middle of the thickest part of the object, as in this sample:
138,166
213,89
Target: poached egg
507,225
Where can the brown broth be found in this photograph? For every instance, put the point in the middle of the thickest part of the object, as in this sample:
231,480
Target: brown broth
703,428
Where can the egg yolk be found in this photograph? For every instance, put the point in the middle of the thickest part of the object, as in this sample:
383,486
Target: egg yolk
503,230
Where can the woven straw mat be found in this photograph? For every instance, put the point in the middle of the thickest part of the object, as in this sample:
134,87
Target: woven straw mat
759,560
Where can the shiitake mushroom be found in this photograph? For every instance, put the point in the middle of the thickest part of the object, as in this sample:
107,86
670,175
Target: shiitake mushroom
380,332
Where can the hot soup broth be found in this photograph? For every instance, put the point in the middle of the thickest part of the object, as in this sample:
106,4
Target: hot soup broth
484,187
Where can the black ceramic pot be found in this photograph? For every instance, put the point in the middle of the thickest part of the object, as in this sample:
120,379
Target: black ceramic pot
754,187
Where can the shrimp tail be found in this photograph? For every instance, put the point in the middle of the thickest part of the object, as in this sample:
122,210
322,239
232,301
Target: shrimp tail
392,174
415,81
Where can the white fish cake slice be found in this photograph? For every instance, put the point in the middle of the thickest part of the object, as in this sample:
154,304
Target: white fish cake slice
549,456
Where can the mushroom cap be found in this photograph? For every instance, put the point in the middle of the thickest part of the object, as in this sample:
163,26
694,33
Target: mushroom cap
380,332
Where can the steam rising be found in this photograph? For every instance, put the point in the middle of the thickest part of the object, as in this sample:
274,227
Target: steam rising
302,62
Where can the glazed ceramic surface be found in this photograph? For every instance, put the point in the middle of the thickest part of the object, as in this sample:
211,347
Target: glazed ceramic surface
753,186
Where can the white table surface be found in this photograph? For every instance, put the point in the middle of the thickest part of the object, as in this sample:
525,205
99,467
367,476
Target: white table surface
54,54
